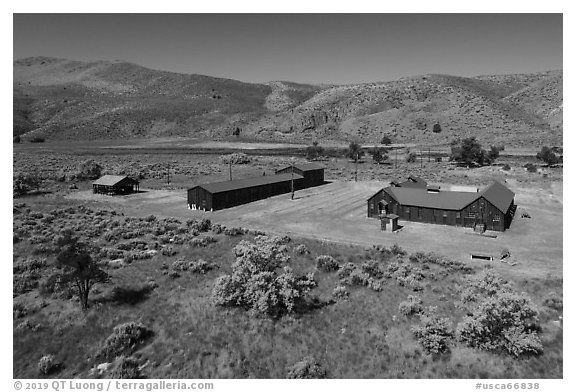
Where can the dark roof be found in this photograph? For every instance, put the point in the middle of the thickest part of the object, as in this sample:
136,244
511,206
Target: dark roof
421,198
497,194
224,186
500,196
109,180
303,167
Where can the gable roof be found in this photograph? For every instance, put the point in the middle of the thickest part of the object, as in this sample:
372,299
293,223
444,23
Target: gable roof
109,180
303,167
224,186
499,195
421,198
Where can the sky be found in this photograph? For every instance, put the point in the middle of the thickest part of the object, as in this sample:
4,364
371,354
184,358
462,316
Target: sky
307,48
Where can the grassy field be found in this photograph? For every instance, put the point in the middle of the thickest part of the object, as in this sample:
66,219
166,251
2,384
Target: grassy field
364,336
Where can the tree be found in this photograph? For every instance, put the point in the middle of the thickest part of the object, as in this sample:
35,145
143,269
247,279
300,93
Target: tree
386,140
90,170
437,128
379,155
354,151
548,156
314,151
470,152
77,266
411,157
17,139
236,131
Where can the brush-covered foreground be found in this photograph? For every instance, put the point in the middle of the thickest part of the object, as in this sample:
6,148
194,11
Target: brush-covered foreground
157,316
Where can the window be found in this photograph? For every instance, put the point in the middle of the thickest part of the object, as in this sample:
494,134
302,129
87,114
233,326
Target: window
497,217
458,215
407,210
419,212
445,214
471,214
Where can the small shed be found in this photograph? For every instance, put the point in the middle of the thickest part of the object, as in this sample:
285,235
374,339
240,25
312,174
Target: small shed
389,219
115,185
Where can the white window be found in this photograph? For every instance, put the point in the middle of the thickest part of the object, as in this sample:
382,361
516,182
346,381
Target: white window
471,214
497,217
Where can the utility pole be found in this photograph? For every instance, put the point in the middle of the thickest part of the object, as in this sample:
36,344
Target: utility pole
395,158
230,167
420,158
428,153
168,175
292,178
356,168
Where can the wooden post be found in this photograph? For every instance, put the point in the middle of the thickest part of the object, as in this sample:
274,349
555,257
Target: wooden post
230,168
292,179
356,168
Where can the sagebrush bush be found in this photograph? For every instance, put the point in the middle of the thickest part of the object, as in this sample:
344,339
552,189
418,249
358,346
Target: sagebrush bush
504,321
486,284
340,293
434,332
554,301
307,368
124,339
255,283
125,368
412,306
301,249
48,364
236,158
397,250
168,251
200,225
327,263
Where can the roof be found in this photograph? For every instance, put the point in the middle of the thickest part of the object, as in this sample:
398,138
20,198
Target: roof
109,180
499,195
225,186
411,182
304,167
421,198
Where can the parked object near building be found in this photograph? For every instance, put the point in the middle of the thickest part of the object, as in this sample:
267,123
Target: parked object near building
492,208
389,220
115,185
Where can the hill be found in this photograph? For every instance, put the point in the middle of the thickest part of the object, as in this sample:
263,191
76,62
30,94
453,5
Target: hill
71,100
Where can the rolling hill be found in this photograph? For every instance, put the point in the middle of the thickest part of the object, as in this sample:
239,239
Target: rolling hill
70,100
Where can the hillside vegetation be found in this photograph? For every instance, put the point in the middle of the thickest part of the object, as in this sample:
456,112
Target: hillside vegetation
71,100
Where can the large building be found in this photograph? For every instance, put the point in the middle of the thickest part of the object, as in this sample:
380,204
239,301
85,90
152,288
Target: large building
313,174
492,207
226,194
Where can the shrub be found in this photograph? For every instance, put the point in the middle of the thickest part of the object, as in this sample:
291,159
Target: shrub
125,368
553,301
437,128
397,250
327,263
530,168
301,249
386,140
48,364
412,306
485,285
254,283
217,228
506,167
411,157
314,151
234,231
17,139
307,368
124,339
199,225
433,332
37,139
22,183
90,170
548,156
340,293
168,251
502,322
